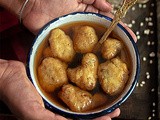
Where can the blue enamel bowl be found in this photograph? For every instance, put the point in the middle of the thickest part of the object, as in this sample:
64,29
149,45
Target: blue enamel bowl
102,20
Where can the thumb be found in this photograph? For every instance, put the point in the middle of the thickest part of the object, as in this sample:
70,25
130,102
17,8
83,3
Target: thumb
102,5
38,112
48,115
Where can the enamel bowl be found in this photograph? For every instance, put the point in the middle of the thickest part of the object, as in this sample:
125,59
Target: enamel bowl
90,17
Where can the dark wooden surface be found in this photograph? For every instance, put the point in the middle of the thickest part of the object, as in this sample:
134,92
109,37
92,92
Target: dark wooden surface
158,53
143,102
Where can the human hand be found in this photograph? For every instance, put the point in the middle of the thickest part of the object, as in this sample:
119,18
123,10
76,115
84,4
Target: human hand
39,12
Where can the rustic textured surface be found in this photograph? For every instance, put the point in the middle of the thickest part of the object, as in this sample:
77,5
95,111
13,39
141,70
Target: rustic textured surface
143,103
158,33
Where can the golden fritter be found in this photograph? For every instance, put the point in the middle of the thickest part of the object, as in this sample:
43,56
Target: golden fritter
52,74
113,74
110,48
76,99
84,39
85,76
79,100
61,45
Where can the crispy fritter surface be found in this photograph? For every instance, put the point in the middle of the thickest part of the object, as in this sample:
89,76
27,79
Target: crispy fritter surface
79,100
61,45
76,99
84,39
85,76
52,74
113,75
110,48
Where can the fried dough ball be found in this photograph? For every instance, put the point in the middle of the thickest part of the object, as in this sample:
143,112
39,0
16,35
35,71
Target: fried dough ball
84,39
47,52
61,45
79,100
113,74
110,48
85,76
76,99
52,74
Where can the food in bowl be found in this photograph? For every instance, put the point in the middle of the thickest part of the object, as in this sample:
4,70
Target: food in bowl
113,75
71,78
61,45
85,75
52,74
80,100
60,73
84,38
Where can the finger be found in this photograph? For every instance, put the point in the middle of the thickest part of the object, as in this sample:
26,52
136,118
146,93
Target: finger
125,26
91,8
3,61
130,31
38,112
87,1
48,115
113,114
103,118
102,5
99,4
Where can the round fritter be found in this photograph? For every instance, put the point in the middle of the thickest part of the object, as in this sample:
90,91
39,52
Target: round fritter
84,39
110,48
76,99
85,76
61,45
113,74
52,74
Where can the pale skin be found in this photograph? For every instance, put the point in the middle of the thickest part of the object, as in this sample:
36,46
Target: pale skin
16,90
